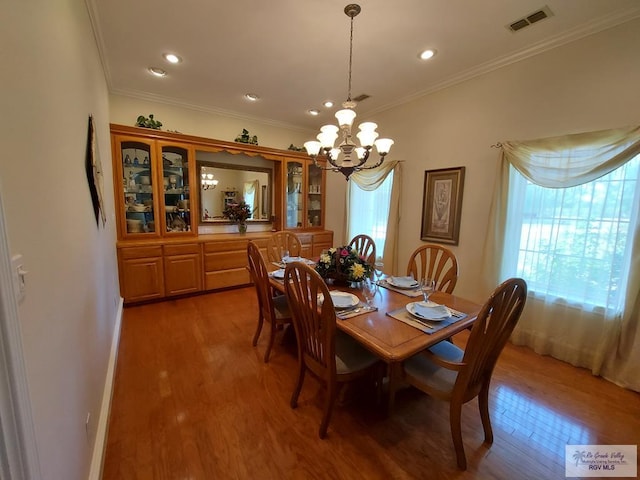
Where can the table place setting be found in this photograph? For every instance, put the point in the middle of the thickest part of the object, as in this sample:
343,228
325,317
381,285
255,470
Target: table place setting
408,286
428,317
283,263
348,305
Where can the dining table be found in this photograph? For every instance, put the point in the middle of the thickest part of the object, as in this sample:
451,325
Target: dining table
391,339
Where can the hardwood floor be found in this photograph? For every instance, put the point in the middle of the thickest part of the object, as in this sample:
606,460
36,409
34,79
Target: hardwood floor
194,400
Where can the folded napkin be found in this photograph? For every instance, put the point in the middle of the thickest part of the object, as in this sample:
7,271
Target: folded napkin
278,273
408,292
403,282
293,259
431,312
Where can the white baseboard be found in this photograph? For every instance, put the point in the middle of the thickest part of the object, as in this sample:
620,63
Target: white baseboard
95,473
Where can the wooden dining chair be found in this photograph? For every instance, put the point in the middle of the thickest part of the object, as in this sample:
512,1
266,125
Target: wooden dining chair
273,310
365,246
331,355
436,262
445,371
281,241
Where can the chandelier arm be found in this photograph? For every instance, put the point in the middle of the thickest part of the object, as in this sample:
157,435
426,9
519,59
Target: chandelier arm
331,160
364,158
334,167
369,167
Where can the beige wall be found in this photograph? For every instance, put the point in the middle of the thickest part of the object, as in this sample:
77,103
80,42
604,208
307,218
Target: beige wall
125,111
51,81
590,84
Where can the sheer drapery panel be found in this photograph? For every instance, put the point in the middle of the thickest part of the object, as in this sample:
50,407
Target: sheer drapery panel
565,218
373,206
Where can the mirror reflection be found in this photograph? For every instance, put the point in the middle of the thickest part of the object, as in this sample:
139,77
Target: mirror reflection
221,184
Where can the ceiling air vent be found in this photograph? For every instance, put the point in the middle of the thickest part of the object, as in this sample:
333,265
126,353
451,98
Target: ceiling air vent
360,98
541,14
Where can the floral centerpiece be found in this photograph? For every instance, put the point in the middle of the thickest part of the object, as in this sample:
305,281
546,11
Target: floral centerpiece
238,213
343,264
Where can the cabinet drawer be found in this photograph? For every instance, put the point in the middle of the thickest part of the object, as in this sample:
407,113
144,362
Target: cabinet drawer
141,252
305,238
227,246
324,238
225,261
181,249
226,278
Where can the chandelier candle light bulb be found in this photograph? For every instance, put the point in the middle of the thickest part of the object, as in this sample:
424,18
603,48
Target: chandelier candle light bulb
341,157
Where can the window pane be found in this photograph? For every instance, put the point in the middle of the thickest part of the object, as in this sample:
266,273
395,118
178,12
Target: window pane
573,241
363,219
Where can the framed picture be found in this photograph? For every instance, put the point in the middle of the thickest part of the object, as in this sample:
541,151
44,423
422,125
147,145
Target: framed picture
93,168
442,205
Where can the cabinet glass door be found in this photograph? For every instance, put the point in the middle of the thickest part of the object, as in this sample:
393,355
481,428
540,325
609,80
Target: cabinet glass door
314,196
137,181
294,201
175,177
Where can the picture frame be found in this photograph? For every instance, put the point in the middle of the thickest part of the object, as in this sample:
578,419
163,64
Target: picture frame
442,205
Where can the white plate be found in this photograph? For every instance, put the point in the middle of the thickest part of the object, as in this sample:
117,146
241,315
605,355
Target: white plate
403,282
430,311
278,274
342,300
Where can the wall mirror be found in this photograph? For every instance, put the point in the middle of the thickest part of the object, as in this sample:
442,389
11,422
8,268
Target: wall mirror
226,178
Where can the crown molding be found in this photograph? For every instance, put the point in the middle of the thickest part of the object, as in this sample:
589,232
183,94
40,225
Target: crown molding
585,30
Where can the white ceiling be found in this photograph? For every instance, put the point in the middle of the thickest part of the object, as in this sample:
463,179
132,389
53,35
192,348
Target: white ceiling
294,53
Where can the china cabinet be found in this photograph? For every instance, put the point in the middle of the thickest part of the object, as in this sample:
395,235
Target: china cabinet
304,194
154,191
176,189
157,196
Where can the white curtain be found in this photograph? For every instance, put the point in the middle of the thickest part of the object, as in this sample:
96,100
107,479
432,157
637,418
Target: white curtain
370,180
605,340
250,194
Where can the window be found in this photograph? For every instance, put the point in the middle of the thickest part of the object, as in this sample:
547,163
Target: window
574,243
370,212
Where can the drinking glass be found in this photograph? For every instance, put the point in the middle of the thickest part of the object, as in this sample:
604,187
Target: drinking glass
285,257
378,269
427,285
368,291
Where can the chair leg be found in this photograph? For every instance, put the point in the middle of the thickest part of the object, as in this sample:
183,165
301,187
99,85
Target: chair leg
483,402
298,387
272,337
328,410
258,329
455,413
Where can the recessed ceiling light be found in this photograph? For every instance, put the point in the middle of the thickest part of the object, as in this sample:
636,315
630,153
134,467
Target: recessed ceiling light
158,72
427,54
328,104
314,112
172,58
251,96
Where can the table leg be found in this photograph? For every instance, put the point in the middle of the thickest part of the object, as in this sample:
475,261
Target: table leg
395,375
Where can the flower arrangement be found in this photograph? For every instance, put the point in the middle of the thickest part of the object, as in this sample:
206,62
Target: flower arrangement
343,263
237,212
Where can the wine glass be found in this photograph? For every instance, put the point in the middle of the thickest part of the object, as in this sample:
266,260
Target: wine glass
285,257
368,291
427,285
378,269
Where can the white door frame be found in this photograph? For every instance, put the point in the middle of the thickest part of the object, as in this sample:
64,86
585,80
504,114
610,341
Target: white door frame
18,448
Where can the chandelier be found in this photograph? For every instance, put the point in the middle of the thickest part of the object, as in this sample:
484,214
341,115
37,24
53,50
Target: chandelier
348,157
208,182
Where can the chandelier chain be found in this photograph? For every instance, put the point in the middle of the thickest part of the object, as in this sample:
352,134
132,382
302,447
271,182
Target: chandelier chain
350,58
